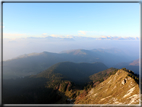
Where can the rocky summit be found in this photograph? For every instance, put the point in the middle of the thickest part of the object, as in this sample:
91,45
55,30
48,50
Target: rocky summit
120,88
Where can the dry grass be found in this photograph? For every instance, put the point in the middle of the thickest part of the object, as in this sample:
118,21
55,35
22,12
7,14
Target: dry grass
112,91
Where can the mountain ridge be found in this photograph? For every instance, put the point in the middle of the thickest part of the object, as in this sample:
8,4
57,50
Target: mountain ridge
117,89
37,62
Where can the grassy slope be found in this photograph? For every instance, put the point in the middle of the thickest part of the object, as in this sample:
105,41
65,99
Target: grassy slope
112,91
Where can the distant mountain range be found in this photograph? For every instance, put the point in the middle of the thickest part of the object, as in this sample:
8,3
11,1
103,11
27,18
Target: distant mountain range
31,64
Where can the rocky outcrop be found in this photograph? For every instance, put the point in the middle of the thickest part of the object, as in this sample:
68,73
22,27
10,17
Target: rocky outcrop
124,81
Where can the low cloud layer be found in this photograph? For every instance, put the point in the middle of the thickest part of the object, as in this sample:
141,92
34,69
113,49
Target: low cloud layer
118,38
87,37
81,35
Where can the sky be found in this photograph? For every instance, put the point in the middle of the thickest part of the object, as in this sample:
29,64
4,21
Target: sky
77,19
54,27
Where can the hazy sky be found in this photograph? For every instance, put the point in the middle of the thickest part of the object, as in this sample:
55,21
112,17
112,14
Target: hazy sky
37,27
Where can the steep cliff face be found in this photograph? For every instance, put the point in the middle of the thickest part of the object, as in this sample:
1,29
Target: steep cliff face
119,88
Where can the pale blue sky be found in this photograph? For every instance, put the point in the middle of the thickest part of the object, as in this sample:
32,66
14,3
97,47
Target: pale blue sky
75,19
108,23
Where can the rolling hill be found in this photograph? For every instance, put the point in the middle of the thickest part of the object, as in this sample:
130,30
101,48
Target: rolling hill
75,72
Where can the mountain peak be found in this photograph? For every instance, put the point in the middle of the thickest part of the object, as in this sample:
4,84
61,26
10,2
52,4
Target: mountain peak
119,88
